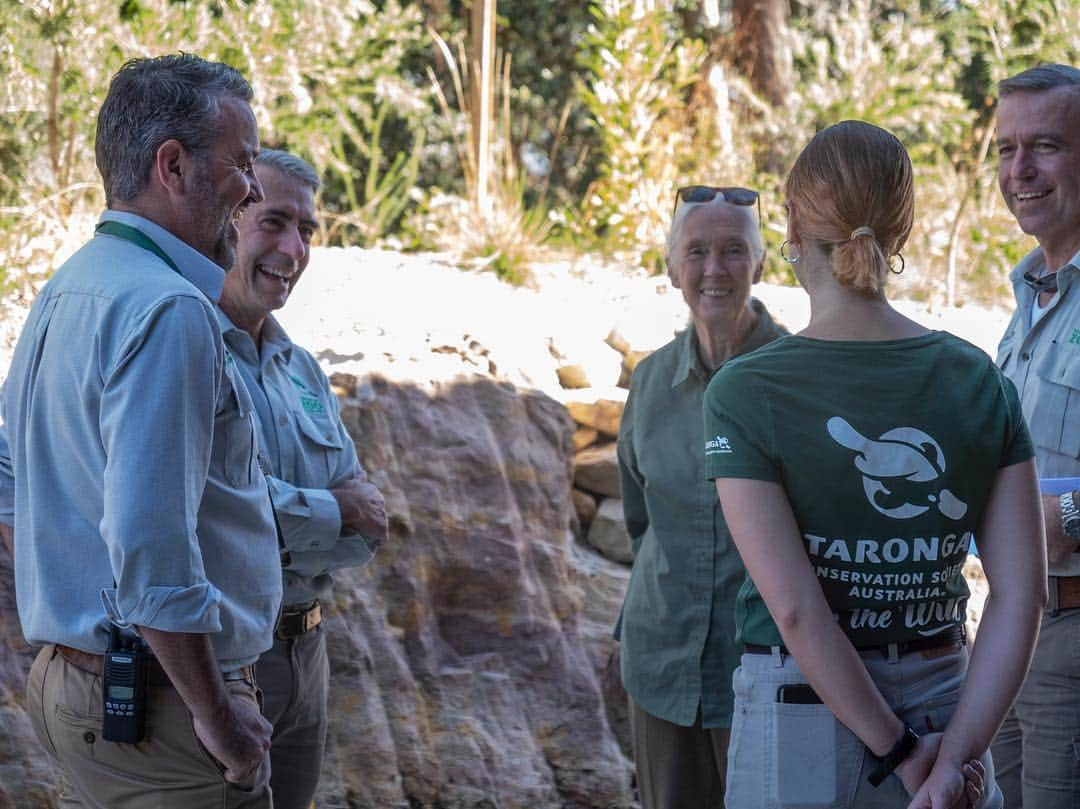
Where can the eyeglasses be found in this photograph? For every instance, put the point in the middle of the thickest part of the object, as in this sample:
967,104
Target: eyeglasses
707,193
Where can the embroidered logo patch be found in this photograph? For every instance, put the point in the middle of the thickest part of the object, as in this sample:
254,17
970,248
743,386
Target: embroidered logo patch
1075,339
718,446
309,400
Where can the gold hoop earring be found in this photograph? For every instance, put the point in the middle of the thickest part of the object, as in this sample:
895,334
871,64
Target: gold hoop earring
794,257
902,265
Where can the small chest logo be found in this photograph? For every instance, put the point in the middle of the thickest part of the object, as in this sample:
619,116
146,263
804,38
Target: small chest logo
308,398
900,470
1075,339
718,446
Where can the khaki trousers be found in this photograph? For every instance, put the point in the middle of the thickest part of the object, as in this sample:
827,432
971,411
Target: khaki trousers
169,769
678,767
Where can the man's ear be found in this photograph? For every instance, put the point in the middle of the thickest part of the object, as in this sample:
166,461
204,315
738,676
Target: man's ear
760,269
171,166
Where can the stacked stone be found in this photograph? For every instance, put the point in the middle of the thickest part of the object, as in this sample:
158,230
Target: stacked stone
597,412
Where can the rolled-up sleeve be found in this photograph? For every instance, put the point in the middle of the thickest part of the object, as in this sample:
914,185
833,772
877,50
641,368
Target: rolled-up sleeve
158,402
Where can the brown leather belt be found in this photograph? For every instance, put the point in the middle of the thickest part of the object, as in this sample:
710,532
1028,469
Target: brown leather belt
298,619
1064,593
953,637
95,664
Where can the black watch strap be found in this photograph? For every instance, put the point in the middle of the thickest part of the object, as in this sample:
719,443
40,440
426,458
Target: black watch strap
900,751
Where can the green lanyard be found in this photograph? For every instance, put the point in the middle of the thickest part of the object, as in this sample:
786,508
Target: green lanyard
135,236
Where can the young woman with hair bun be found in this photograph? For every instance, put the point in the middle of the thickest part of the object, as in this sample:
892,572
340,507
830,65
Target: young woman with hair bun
854,462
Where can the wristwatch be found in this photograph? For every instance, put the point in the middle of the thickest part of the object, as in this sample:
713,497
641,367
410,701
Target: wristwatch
891,760
1070,516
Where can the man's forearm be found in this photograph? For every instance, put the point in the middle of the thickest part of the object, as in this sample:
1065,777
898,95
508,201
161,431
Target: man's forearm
7,533
188,659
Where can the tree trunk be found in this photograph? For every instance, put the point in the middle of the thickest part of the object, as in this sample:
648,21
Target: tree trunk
762,52
482,46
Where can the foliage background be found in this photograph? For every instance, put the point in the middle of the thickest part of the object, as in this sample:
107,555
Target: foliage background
602,109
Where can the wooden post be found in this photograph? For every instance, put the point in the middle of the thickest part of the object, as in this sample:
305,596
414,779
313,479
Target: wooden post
482,88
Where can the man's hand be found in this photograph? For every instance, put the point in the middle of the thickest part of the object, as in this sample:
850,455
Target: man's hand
363,510
238,737
229,726
1059,546
7,533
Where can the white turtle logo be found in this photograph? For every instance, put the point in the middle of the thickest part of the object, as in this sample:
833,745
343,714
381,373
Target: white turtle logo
898,469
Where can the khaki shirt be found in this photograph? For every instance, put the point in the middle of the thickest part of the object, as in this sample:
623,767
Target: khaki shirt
1043,361
677,627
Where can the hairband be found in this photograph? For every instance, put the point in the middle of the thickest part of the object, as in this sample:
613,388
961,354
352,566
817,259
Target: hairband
863,231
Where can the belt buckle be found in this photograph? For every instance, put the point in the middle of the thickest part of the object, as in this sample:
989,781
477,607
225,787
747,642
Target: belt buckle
313,617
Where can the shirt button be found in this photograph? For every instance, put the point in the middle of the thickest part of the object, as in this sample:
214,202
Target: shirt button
1025,356
282,421
88,737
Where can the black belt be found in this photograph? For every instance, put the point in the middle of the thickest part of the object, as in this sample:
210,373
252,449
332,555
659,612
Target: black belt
298,619
952,637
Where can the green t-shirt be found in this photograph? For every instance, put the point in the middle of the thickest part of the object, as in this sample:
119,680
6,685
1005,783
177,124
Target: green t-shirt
887,451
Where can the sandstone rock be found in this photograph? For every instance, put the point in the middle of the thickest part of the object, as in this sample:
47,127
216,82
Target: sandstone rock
572,376
603,585
980,589
467,669
608,532
617,341
596,469
602,414
629,363
584,505
584,437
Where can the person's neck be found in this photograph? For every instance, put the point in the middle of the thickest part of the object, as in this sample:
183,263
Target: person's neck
250,321
839,312
149,208
1056,256
718,344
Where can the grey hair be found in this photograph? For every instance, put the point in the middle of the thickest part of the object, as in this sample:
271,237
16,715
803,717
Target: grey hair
1042,77
154,100
682,213
290,165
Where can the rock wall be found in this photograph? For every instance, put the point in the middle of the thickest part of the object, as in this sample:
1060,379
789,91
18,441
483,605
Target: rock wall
472,664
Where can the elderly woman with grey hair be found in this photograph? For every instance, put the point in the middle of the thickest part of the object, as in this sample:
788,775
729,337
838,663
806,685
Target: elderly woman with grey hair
677,629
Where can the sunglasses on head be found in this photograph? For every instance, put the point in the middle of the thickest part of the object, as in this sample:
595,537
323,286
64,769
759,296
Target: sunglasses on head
707,193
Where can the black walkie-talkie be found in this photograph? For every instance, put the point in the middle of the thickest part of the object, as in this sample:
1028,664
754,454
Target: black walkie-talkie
123,687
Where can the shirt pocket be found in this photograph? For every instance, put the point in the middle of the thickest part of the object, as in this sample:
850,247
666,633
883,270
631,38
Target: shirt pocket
235,443
320,446
1055,418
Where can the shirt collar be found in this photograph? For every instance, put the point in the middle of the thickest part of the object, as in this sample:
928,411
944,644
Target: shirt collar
204,274
764,331
274,339
1034,263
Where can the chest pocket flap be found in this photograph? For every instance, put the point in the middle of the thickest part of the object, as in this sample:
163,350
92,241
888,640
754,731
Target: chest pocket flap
319,430
1055,418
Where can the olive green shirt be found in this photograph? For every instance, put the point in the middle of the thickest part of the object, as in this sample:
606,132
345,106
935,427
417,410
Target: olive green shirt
677,627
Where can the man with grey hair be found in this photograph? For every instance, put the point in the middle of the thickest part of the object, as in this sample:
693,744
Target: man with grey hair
330,515
142,525
1037,750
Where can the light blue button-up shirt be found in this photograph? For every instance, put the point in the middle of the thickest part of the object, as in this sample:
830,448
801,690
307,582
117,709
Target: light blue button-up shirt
308,451
1043,361
129,462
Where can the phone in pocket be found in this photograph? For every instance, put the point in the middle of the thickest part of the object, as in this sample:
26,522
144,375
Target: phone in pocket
797,694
